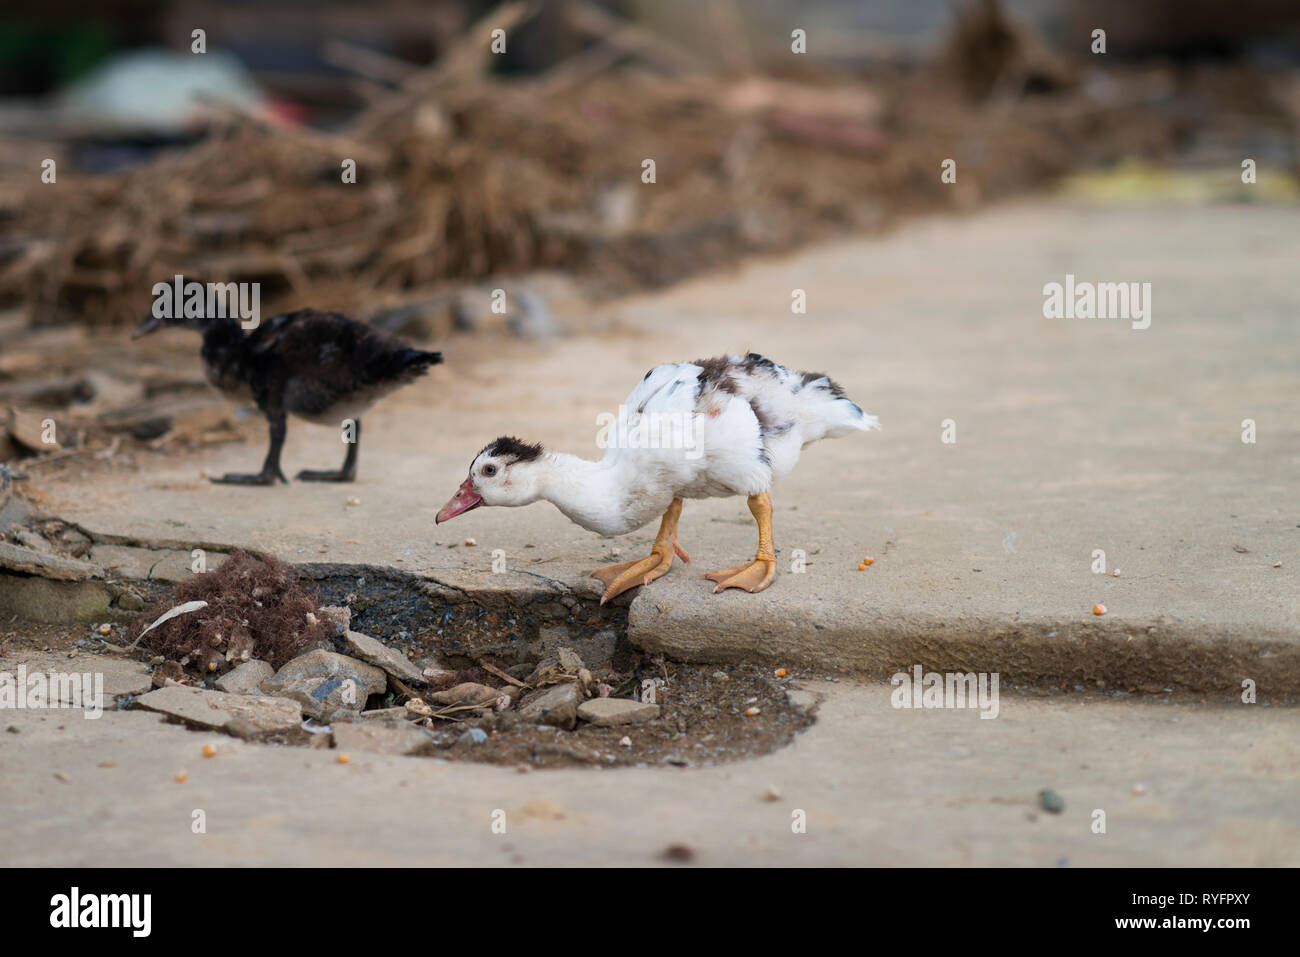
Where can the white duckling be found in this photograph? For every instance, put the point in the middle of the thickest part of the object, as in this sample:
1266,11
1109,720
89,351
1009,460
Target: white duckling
705,429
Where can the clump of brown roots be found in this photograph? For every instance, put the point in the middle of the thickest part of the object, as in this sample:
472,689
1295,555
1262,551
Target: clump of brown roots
256,608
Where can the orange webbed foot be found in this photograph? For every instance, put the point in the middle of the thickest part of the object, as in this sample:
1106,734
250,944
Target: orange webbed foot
625,575
752,577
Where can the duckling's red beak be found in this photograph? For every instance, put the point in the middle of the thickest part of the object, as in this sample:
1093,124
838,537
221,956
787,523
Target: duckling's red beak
464,499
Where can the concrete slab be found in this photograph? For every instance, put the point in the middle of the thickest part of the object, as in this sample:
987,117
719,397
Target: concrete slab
1071,436
1180,785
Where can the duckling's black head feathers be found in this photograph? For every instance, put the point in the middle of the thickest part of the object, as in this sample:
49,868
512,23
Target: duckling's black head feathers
515,449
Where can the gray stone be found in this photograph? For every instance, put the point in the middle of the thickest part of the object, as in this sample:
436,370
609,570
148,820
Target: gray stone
247,677
381,737
340,616
387,714
467,693
33,598
596,649
323,683
611,711
33,540
375,652
321,698
556,706
805,701
152,564
15,512
31,562
473,736
327,664
216,709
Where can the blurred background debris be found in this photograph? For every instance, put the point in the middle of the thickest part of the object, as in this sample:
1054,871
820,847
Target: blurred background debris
523,171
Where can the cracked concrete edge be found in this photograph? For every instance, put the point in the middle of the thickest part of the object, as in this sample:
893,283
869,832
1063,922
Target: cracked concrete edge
1036,652
1104,653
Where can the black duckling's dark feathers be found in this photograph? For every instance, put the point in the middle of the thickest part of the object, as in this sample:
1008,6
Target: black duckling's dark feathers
318,364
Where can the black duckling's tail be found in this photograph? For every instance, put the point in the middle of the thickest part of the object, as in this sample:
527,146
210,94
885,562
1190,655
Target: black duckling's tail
409,363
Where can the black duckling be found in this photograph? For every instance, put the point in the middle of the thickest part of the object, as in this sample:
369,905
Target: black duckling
320,366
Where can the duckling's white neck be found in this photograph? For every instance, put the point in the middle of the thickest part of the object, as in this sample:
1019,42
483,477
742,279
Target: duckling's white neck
599,496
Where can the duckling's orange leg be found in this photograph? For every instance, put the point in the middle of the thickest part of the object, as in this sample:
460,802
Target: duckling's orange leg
759,573
619,578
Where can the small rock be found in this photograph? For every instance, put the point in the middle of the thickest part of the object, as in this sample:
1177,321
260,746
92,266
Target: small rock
678,854
556,706
340,616
380,737
390,714
128,600
625,741
245,678
805,701
466,693
771,794
472,736
613,711
216,710
28,561
324,682
167,673
1049,800
375,652
321,698
570,660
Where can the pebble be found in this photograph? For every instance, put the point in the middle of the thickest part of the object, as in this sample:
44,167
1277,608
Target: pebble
752,712
613,711
472,736
678,853
771,794
626,741
1049,800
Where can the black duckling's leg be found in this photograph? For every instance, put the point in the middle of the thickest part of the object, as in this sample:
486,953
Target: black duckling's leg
271,467
346,474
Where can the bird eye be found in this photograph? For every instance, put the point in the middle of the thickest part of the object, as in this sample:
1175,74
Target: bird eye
489,470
